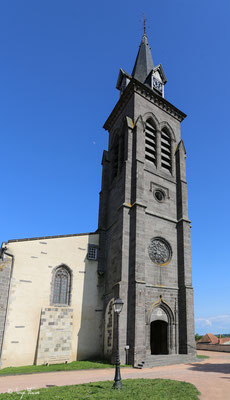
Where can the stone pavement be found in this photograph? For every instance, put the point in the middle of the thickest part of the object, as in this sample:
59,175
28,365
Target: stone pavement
211,376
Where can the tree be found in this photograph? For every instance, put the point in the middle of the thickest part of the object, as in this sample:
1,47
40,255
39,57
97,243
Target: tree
197,337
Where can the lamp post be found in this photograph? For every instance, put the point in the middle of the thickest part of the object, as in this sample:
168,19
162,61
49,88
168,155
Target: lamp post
117,305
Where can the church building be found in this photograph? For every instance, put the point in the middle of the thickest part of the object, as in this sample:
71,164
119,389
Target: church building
57,292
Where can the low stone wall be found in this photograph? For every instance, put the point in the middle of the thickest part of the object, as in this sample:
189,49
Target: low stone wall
214,347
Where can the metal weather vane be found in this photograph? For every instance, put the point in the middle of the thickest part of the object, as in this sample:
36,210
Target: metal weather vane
144,23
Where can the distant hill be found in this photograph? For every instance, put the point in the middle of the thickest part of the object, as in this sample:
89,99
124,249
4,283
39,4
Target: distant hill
223,335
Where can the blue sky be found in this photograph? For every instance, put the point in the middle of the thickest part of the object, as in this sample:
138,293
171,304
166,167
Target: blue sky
59,64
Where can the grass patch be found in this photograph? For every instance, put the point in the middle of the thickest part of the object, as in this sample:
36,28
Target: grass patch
133,389
75,365
201,356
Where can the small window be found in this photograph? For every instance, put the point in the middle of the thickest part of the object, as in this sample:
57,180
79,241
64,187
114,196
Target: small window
61,292
159,195
150,142
92,252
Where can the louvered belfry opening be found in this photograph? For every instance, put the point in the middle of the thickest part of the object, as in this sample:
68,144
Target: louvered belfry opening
166,161
150,142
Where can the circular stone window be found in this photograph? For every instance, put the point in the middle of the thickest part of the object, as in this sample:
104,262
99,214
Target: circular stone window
159,251
159,195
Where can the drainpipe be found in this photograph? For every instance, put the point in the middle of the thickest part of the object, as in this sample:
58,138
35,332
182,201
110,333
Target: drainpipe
2,253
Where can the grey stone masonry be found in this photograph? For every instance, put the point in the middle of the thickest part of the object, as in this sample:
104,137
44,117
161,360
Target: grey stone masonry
155,361
186,307
143,209
55,335
5,270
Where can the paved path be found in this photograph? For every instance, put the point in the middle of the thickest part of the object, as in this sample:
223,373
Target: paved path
211,377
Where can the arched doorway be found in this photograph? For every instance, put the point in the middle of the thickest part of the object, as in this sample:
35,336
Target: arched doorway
159,337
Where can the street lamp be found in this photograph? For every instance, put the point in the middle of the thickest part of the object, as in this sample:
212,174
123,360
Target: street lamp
117,306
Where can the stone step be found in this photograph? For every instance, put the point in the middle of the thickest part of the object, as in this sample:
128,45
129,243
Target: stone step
141,365
168,359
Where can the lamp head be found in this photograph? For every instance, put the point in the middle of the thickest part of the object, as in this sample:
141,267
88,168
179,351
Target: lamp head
117,305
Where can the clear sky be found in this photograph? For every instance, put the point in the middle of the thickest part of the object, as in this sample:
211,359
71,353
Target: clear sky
59,62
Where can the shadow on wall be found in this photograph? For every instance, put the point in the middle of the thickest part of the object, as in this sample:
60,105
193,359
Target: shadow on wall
5,273
37,344
90,335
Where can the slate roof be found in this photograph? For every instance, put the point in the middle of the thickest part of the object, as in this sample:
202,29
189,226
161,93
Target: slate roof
144,62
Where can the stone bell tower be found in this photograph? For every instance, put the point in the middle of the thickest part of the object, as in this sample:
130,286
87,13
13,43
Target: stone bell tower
145,256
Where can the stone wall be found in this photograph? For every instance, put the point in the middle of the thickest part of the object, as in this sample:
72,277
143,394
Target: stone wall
55,335
214,347
108,335
141,220
31,291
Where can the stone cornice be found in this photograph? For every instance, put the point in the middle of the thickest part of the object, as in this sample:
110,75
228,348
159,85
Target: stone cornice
136,203
135,86
159,101
184,220
148,285
173,220
119,107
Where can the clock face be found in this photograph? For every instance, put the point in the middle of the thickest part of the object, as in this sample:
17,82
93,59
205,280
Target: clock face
157,84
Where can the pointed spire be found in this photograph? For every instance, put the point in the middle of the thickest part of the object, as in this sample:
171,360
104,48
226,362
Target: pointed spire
144,62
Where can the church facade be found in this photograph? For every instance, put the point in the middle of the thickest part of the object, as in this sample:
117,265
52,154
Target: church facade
57,293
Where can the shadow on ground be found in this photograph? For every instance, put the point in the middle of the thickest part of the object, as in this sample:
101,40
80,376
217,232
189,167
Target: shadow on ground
207,367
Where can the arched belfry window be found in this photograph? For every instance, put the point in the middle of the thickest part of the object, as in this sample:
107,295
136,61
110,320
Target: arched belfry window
166,160
61,287
150,142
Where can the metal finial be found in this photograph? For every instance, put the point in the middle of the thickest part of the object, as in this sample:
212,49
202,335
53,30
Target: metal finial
144,24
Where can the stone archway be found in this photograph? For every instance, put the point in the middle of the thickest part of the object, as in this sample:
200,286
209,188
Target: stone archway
159,337
108,332
161,329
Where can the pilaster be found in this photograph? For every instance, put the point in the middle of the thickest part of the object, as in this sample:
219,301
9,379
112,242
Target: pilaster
185,296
